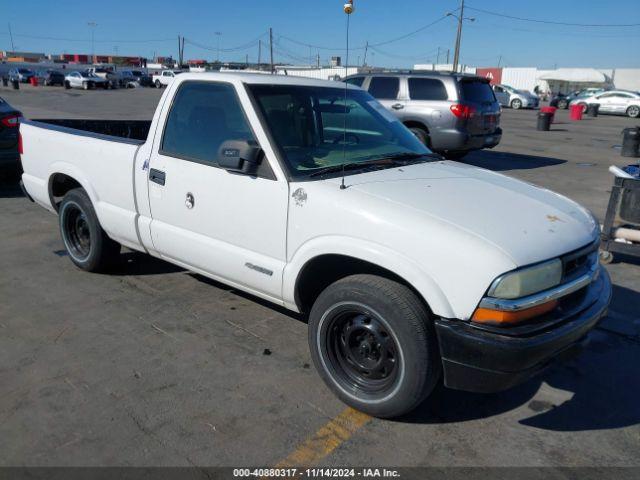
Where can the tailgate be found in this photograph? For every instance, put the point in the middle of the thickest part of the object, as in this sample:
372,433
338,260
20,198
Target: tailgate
477,93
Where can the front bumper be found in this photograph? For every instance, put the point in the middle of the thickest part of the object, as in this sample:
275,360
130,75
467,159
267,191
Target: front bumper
478,359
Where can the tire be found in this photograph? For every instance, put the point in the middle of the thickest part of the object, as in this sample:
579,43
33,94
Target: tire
454,155
88,246
516,104
421,134
633,111
67,85
158,84
563,104
393,369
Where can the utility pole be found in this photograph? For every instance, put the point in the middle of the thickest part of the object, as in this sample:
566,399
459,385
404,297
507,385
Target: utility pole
179,50
366,47
318,60
218,35
448,50
11,36
271,47
259,52
246,60
438,56
456,53
499,61
92,26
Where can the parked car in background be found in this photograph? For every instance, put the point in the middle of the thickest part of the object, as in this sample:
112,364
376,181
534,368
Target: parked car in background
108,74
127,79
563,101
311,195
84,80
143,79
164,78
50,78
451,113
23,75
510,97
615,102
9,135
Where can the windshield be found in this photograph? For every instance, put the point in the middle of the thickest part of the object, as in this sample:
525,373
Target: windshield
308,123
24,70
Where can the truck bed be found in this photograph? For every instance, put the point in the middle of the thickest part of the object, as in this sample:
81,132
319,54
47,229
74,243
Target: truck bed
133,130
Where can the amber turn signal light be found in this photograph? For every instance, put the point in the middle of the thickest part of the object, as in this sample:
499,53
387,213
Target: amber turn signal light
500,317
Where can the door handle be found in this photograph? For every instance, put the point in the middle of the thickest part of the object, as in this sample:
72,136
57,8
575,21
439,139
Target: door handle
157,176
397,106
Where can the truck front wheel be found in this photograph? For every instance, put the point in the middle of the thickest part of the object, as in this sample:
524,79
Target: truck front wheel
374,345
87,244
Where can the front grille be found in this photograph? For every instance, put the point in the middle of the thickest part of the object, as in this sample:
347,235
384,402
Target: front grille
579,262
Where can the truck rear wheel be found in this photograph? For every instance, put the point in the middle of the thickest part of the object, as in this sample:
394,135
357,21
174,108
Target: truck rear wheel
87,244
374,345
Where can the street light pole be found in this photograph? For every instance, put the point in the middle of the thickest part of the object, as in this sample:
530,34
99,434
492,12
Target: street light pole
92,26
456,53
218,35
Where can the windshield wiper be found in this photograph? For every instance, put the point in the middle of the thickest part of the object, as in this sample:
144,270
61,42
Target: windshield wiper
391,160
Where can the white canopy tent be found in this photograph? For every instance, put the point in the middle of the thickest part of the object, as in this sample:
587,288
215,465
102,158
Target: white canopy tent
565,80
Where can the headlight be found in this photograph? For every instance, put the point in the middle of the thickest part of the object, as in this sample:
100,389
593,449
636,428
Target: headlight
527,281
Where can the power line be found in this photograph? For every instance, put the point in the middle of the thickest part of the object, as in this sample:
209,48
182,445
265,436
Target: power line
59,39
386,42
244,46
552,22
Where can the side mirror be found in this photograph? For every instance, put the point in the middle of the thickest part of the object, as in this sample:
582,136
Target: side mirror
240,156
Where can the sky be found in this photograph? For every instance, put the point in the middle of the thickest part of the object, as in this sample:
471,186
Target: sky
305,28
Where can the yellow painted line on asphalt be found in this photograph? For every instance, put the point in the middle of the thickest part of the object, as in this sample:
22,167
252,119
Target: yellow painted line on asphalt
326,439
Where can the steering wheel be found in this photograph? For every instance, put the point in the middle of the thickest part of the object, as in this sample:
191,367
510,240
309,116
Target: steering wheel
344,136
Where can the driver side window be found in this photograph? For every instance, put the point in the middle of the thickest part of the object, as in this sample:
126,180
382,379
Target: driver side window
203,116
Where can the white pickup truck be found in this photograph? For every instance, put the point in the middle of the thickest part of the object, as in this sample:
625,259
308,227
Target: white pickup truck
164,77
311,195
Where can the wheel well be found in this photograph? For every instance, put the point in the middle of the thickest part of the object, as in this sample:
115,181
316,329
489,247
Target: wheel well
414,124
320,272
59,185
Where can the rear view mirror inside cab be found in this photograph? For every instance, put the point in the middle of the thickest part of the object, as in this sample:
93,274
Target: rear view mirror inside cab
240,156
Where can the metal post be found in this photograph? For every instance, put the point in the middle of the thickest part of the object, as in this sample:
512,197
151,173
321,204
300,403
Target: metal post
448,50
438,56
11,36
93,26
271,47
456,53
259,52
366,47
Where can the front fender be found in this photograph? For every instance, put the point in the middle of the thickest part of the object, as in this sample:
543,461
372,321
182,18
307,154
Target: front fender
370,252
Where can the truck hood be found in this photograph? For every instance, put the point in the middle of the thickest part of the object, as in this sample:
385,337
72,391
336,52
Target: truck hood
526,222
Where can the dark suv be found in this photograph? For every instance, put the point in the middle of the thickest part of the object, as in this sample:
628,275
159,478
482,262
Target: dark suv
451,113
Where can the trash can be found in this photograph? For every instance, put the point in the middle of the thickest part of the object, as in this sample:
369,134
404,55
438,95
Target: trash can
16,84
551,111
575,112
33,81
630,201
592,109
630,142
544,121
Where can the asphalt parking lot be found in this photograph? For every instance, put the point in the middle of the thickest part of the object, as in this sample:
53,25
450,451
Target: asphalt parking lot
153,365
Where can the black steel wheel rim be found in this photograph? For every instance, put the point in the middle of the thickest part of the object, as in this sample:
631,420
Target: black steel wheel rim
77,232
361,350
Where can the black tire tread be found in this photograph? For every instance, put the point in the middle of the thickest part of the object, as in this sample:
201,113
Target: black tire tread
408,307
105,251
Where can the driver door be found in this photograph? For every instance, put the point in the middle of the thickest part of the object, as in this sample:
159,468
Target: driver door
229,226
